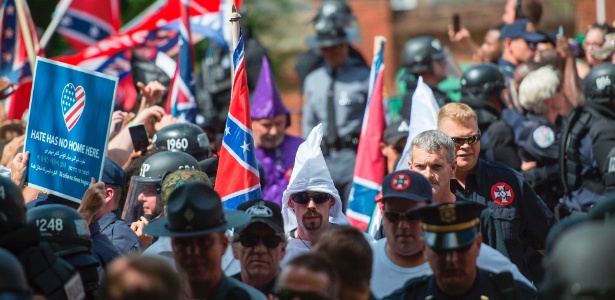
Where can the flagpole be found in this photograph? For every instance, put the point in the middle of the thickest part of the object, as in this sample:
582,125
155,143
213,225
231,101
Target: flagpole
25,29
53,25
235,25
378,43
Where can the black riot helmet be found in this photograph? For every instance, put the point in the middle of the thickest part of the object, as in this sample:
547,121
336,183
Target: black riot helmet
483,80
600,83
144,192
418,54
334,8
62,226
13,282
12,206
184,137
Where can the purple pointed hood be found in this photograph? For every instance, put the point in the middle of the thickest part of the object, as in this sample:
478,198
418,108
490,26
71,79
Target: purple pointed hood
266,100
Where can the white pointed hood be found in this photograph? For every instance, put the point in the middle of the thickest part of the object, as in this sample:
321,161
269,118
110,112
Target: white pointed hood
310,173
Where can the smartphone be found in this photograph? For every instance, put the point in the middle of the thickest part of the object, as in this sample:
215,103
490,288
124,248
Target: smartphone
139,137
456,23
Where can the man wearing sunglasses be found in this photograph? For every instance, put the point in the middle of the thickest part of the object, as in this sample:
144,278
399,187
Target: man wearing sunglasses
517,218
310,203
453,242
260,245
519,39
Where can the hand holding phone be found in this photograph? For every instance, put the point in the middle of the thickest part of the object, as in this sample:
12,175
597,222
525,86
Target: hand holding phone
139,137
456,23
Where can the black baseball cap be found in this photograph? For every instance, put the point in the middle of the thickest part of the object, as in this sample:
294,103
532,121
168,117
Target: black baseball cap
408,185
263,211
522,29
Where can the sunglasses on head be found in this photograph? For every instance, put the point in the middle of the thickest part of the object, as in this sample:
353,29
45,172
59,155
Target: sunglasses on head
249,241
471,140
286,294
304,198
396,217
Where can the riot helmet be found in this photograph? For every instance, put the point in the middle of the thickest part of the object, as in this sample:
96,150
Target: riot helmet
62,226
184,137
482,81
143,197
418,54
12,206
13,282
600,83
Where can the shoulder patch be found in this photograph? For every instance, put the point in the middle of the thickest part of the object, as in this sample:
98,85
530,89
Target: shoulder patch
543,136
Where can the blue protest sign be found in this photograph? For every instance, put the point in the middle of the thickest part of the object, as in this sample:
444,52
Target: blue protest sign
68,126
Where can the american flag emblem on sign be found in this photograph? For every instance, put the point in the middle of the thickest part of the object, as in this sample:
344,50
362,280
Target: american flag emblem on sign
73,102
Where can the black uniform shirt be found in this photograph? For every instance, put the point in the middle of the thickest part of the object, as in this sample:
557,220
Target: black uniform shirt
484,285
515,216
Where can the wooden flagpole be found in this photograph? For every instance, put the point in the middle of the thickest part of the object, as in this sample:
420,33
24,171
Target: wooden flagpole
235,25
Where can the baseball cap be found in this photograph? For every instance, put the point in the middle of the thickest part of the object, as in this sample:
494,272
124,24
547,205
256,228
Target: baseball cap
396,131
607,49
522,29
408,185
448,226
263,211
113,174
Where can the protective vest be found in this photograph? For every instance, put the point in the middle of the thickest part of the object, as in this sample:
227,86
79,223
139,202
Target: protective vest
576,126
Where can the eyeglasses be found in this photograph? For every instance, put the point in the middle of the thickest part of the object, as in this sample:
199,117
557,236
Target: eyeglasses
286,294
304,198
396,217
249,241
471,140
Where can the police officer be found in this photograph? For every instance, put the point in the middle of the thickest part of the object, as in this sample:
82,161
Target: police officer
335,95
587,143
67,233
47,274
312,59
453,241
517,218
423,56
481,88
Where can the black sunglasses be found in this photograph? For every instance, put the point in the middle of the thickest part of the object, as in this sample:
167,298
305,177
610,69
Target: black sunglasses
471,140
249,241
286,294
304,198
396,217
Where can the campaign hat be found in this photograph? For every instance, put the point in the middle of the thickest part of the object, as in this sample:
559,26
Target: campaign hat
195,209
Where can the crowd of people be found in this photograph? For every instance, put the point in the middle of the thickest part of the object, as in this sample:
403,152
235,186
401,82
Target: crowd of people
508,197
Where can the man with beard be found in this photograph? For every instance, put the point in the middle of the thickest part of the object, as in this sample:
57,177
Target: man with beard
260,245
517,218
311,202
453,241
196,224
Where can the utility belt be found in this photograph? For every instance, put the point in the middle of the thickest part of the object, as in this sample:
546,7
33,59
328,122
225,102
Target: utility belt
347,142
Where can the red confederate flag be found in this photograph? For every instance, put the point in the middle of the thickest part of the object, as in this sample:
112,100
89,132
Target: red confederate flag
89,21
237,179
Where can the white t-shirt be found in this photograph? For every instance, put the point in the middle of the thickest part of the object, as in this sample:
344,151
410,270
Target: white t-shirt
388,277
294,248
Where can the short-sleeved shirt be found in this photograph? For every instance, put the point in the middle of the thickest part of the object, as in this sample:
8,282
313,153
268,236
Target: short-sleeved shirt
484,286
539,140
515,216
350,98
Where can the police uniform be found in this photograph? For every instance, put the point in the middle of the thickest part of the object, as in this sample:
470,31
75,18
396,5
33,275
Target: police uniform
515,217
539,140
120,234
350,98
449,227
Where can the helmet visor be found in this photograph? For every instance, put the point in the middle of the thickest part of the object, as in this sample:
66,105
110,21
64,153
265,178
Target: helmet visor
143,199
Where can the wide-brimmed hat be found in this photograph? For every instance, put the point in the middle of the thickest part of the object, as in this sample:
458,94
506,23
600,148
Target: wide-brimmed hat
195,209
